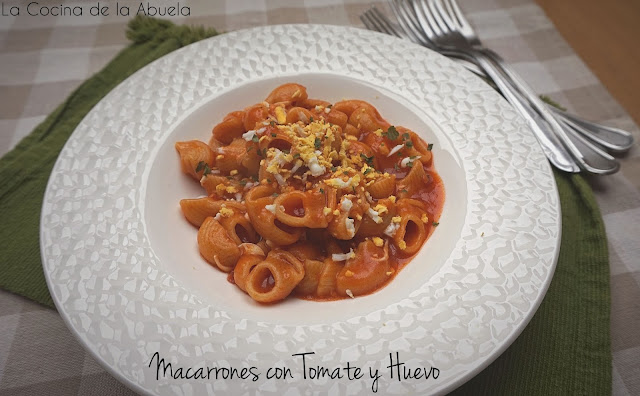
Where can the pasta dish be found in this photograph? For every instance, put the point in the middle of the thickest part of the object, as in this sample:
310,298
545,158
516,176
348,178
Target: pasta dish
307,198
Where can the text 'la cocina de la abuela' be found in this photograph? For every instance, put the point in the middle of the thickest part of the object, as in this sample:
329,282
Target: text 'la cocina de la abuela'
96,9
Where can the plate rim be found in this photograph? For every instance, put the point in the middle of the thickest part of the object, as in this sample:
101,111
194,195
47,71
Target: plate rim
504,344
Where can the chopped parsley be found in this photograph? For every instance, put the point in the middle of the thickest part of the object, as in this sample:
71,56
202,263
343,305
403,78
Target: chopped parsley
296,155
272,123
404,190
273,134
429,146
391,133
406,138
255,138
367,171
243,183
322,190
310,119
317,143
203,166
368,160
435,223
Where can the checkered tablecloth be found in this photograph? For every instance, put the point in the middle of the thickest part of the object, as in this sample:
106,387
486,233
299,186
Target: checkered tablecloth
43,58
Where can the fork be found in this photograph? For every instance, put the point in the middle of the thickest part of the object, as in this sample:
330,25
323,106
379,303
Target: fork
553,149
375,20
614,139
431,19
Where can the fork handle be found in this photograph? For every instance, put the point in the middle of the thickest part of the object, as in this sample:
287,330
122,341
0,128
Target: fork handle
553,149
614,139
588,156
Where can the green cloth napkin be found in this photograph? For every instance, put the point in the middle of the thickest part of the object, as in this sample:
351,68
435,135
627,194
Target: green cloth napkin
565,349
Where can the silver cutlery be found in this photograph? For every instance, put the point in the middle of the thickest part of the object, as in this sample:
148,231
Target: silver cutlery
432,24
440,28
552,148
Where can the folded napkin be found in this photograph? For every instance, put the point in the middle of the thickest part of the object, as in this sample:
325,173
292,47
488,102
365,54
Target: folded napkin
565,349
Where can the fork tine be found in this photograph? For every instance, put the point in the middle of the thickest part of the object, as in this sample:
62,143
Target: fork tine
443,14
409,9
457,14
383,20
367,22
437,17
452,15
405,24
429,25
371,23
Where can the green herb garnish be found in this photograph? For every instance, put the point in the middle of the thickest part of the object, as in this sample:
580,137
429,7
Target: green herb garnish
429,146
391,133
255,138
317,143
368,160
435,223
203,166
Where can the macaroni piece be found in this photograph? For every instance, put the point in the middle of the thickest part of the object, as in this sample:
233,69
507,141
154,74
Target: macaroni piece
307,198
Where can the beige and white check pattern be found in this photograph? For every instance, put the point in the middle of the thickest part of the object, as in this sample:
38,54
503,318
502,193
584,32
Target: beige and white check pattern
42,59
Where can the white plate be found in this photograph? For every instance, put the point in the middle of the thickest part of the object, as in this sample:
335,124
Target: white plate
123,266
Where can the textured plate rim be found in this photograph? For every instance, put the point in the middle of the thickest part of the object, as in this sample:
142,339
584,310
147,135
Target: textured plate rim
503,345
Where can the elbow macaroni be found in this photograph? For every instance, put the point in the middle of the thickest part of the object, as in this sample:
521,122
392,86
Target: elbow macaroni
310,199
